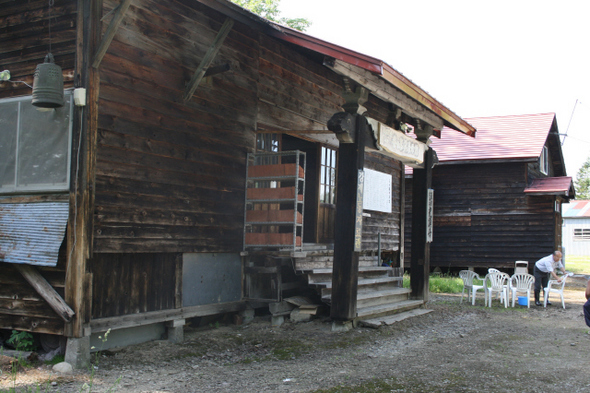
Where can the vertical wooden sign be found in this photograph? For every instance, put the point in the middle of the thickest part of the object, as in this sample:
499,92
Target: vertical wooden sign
430,215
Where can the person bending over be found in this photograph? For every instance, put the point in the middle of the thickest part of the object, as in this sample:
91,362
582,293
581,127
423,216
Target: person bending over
544,269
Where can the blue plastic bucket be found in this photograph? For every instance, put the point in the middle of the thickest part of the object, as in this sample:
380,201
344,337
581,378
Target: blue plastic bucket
523,301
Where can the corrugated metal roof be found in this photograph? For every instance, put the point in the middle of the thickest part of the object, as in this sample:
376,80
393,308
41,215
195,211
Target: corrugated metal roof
497,138
551,186
576,209
32,233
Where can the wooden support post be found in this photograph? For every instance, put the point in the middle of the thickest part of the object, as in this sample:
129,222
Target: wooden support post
78,283
348,223
420,261
46,291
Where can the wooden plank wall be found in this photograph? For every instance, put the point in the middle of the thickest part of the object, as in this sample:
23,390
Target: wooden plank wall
170,176
134,283
22,308
25,39
388,224
24,42
295,92
483,218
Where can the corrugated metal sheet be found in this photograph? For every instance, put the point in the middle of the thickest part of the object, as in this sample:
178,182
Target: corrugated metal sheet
32,233
551,186
576,209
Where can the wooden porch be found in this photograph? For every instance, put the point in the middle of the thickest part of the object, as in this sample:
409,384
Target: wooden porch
381,298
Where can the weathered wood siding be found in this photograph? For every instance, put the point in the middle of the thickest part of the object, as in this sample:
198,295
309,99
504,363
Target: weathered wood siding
25,39
482,218
170,175
134,283
296,92
388,224
22,308
24,43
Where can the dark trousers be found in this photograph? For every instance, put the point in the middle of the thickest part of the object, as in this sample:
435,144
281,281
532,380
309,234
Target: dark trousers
587,312
541,278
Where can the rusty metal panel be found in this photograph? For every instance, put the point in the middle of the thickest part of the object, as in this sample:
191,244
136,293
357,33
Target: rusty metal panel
32,233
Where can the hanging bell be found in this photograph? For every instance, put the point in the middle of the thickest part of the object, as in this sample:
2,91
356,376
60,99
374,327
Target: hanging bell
48,84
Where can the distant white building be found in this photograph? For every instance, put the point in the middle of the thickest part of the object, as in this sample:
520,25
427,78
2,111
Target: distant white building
576,228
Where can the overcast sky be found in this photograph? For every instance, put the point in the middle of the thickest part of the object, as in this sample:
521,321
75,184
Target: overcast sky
476,57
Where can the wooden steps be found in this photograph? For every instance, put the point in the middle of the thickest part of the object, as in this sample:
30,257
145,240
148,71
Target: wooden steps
380,293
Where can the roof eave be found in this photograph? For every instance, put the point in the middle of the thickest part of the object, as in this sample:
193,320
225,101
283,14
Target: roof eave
451,119
378,67
369,63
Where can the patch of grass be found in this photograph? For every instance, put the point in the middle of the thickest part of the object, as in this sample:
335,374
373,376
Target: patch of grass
440,283
56,359
288,350
578,264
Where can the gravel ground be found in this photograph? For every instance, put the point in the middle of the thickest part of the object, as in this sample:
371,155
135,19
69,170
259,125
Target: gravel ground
455,348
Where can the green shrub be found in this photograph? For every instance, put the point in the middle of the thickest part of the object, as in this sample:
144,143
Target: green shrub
22,341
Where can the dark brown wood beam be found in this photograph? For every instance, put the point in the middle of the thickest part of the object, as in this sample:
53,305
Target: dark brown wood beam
420,249
348,223
208,59
110,33
46,291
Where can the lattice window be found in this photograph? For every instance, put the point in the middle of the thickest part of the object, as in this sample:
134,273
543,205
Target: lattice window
328,176
581,234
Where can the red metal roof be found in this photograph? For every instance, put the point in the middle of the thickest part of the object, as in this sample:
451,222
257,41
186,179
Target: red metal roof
551,186
498,138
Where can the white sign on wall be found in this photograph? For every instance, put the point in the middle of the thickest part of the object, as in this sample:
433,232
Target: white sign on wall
430,215
378,191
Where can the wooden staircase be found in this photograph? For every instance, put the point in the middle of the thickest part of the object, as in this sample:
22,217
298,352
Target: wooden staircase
381,298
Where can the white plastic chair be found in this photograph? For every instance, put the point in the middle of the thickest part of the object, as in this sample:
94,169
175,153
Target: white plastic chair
468,276
556,287
521,267
496,283
521,282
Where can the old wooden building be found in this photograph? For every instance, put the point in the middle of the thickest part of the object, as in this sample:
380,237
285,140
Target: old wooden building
498,197
191,171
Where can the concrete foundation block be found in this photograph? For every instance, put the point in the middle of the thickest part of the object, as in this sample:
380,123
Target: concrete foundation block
298,316
277,320
247,315
175,330
78,352
341,326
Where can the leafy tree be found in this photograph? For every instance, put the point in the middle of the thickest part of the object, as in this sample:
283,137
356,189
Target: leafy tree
269,9
583,181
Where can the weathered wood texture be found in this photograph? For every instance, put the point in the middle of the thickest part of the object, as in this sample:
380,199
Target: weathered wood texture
170,176
388,224
296,92
47,292
25,40
21,306
133,283
482,218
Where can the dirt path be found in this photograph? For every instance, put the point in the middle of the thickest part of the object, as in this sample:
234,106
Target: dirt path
455,348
